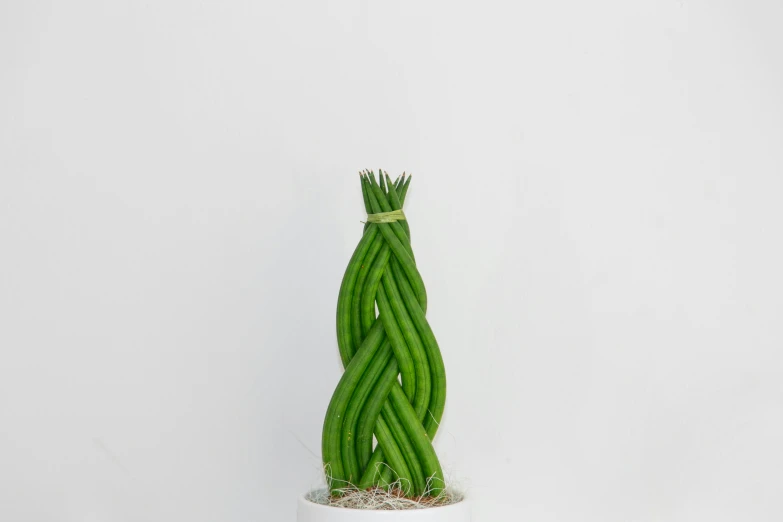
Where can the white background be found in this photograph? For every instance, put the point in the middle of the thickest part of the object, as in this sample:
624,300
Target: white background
597,210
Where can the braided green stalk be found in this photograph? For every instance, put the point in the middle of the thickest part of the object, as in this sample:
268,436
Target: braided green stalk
378,348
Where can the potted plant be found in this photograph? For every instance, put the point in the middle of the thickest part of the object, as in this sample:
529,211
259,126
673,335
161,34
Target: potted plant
393,389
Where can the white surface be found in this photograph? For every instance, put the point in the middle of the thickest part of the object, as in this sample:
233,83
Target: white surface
309,512
596,209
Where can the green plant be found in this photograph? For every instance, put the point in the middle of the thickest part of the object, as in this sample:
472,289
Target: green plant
375,349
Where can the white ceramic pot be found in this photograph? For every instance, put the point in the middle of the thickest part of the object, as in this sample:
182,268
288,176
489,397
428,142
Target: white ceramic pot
312,512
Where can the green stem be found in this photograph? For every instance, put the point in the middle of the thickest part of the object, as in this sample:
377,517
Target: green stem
352,411
370,289
380,203
335,412
400,433
369,415
400,329
437,368
400,252
419,440
345,341
357,331
401,352
393,453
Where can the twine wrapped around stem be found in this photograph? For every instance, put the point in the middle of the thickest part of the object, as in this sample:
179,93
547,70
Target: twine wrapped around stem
386,217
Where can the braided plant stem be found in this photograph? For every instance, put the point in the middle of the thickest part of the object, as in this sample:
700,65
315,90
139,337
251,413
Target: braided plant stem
376,350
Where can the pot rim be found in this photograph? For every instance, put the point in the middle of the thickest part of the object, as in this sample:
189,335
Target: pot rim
315,505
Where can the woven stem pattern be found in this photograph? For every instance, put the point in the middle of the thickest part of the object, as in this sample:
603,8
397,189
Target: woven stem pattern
394,385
